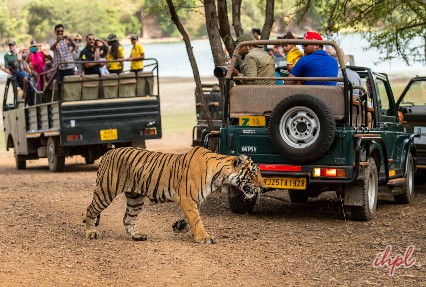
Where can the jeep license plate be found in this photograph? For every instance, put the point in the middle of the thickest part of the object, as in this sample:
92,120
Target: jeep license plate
252,121
285,182
107,135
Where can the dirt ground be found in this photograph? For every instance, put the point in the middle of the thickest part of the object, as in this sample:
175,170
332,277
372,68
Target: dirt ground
42,237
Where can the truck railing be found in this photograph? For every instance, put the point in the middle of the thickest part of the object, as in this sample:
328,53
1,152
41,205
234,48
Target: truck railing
93,87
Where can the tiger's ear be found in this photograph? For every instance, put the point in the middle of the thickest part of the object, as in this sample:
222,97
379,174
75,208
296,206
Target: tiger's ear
240,160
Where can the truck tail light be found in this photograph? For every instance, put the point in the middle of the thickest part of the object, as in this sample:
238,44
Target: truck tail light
74,137
149,131
329,172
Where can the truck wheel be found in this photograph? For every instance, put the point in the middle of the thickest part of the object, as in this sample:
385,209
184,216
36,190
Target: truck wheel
407,196
297,196
302,127
238,203
370,188
56,162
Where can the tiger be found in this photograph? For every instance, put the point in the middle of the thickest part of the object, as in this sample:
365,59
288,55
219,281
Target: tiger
186,179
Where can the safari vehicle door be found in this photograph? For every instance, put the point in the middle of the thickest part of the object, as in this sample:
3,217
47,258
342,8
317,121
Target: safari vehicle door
411,107
14,118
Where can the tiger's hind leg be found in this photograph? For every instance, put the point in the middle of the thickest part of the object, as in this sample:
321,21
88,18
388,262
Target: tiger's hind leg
134,207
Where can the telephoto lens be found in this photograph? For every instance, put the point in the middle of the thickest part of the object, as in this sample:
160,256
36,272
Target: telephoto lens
220,71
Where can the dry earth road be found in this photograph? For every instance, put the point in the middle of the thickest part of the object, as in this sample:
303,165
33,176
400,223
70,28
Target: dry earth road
42,237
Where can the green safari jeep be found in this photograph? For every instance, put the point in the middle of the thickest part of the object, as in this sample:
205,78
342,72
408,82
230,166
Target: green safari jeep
310,139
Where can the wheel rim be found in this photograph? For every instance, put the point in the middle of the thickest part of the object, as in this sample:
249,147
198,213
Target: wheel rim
299,127
371,190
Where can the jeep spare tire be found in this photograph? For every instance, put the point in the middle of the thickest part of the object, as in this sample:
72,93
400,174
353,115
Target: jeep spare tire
302,127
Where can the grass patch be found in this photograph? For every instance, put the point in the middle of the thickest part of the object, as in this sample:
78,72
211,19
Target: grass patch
178,122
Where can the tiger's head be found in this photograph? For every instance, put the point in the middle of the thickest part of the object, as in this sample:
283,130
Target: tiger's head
246,177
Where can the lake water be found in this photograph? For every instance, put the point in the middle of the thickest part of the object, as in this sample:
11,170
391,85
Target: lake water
173,58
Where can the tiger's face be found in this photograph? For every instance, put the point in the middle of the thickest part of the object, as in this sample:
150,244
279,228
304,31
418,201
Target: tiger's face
248,178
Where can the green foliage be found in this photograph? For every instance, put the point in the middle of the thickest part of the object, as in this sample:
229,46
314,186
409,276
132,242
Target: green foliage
395,27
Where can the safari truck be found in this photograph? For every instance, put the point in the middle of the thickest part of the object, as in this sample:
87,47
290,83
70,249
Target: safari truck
412,114
86,115
309,139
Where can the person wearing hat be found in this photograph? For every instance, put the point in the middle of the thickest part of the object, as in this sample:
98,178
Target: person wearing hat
12,54
22,79
137,55
116,52
256,63
315,63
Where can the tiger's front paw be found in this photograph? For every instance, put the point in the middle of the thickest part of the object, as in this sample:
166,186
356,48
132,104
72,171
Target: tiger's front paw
92,234
207,240
180,226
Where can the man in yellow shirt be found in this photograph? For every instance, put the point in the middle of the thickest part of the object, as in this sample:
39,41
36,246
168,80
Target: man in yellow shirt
136,55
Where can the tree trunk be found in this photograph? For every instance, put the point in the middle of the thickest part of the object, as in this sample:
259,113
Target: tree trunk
198,87
269,19
236,16
213,32
224,28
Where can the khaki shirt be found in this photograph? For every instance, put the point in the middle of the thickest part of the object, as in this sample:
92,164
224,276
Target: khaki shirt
258,63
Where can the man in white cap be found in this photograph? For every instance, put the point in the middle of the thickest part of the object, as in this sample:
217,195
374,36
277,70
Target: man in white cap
256,63
315,63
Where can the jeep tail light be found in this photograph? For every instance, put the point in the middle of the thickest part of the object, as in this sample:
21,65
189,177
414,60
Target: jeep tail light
329,172
279,167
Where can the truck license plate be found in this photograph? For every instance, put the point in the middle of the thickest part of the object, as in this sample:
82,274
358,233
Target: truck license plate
107,135
285,182
252,121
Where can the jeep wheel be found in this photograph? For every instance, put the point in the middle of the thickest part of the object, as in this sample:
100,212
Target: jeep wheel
297,196
302,127
370,188
238,203
56,162
408,188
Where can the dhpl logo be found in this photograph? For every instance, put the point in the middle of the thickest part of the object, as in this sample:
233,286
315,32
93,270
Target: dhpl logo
384,259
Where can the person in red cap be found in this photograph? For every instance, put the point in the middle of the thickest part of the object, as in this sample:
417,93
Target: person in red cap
315,63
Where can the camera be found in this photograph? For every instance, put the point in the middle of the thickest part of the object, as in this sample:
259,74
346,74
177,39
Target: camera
33,49
64,37
220,71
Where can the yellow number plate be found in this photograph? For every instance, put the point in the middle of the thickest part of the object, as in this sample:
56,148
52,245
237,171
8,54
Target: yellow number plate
252,121
107,135
285,182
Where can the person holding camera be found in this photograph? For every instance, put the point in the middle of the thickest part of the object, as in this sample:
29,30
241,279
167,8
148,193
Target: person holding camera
62,53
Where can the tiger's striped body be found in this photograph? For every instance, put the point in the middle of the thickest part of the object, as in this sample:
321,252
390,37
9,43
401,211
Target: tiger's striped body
186,179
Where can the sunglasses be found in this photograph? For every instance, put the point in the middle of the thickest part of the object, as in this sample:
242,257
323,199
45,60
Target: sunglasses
59,31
